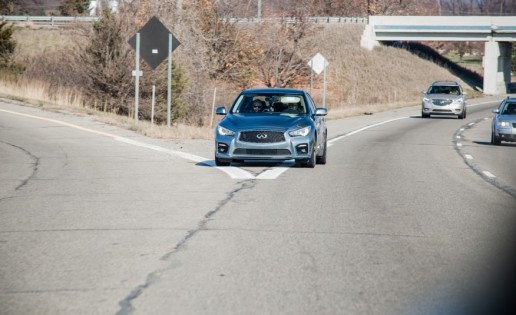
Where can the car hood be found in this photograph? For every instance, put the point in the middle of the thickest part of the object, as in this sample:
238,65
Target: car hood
265,121
509,118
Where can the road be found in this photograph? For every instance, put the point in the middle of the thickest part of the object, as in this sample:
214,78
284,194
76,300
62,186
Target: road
99,220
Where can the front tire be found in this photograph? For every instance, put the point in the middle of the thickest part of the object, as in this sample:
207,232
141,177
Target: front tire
425,115
310,163
322,159
495,140
220,162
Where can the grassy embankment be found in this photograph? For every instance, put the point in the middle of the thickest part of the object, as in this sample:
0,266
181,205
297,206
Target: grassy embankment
358,80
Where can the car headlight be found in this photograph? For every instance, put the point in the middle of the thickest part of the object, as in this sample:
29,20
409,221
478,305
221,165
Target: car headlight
224,131
503,124
426,100
458,100
300,132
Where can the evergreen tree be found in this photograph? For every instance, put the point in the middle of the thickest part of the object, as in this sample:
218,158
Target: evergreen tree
73,7
7,48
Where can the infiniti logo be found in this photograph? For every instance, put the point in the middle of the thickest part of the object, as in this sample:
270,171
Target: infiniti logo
261,136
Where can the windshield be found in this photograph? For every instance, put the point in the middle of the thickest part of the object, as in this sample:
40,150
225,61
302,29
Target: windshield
510,109
442,89
260,104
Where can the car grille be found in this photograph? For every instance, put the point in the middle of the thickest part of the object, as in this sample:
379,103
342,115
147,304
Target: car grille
513,125
262,136
262,151
441,102
442,111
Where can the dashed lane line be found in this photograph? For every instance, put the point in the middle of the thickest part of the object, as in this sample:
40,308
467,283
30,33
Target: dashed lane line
488,174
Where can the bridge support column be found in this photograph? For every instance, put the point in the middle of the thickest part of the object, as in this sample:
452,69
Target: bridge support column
497,67
368,40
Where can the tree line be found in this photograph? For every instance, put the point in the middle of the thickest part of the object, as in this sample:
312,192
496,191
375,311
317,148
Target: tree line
214,51
238,8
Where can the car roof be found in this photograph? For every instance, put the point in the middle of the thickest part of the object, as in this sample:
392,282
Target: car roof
272,90
445,83
510,99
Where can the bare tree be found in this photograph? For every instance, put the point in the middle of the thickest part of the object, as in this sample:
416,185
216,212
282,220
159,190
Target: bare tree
284,58
229,52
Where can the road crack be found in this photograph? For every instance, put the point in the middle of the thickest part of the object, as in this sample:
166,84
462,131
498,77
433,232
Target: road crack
126,306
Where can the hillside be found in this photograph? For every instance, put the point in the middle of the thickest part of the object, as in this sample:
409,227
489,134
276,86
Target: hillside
383,78
358,80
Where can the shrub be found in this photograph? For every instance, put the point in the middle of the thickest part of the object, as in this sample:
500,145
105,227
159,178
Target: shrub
73,7
7,48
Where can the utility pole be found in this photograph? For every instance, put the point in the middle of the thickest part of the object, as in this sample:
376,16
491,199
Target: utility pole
259,10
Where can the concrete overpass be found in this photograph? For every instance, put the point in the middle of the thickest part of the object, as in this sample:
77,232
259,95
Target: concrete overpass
496,32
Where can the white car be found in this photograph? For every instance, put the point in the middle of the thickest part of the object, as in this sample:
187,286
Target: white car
444,98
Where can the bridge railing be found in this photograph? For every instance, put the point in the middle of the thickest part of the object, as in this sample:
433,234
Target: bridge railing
60,20
314,19
48,20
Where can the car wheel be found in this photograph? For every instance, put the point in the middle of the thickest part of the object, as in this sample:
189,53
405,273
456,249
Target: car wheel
220,162
311,161
495,140
424,115
322,159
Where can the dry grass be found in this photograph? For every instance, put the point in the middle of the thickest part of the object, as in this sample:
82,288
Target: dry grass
32,41
66,100
380,79
357,81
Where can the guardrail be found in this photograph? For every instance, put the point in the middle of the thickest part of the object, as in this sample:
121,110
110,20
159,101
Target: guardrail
314,19
60,20
48,20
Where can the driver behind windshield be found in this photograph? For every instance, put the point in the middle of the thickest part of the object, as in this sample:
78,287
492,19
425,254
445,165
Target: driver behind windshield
257,107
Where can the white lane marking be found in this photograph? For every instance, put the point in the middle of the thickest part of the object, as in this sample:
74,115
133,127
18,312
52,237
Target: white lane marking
458,137
471,124
488,174
483,103
233,172
469,157
459,144
330,143
59,123
461,129
277,171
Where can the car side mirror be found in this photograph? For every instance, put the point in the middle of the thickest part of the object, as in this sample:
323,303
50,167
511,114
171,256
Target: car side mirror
496,111
321,111
220,110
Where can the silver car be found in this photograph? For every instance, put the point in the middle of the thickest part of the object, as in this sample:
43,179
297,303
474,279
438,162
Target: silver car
271,124
504,122
444,98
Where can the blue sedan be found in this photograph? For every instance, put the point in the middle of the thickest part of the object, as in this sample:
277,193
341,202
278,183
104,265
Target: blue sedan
272,124
504,122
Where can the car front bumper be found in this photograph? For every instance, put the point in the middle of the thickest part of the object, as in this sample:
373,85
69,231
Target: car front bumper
506,134
233,148
451,109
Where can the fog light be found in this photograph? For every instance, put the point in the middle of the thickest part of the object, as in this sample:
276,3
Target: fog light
302,148
222,147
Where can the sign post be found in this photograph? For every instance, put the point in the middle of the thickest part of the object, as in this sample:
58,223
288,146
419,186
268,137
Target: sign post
155,39
137,75
169,80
